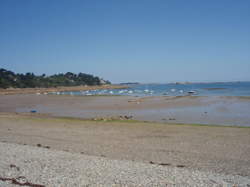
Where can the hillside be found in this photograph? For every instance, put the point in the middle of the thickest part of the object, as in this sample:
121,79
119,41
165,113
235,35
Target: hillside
30,80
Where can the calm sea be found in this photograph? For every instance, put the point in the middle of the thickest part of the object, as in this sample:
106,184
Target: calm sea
201,89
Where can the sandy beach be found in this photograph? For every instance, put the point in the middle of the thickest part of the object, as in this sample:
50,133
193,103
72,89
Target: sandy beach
147,141
124,93
132,153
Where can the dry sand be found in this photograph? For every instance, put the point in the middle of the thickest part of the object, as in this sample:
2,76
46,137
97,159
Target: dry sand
218,149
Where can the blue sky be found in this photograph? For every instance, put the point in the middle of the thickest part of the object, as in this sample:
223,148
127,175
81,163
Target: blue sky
128,40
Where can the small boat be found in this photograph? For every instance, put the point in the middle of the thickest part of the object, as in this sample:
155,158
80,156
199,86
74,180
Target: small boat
192,92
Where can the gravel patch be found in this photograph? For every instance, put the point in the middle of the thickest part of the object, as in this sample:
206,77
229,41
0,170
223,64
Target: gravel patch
39,166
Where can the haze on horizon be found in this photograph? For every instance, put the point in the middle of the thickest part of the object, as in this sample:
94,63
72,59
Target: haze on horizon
128,41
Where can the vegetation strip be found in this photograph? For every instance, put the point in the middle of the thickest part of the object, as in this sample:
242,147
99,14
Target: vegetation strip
30,80
45,117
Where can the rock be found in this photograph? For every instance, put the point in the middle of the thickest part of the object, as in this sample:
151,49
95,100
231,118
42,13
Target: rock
171,119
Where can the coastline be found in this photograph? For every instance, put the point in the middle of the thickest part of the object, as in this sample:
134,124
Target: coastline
11,91
82,134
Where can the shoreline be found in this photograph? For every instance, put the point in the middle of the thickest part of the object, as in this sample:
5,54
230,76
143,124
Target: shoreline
12,91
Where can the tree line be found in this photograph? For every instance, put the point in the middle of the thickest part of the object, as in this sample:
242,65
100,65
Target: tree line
30,80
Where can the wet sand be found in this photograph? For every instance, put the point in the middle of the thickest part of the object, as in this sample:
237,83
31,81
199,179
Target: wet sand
219,149
166,109
11,91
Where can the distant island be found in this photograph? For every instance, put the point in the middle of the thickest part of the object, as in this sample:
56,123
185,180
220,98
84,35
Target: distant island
9,79
129,83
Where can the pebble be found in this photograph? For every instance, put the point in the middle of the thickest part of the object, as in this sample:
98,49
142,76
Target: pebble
58,168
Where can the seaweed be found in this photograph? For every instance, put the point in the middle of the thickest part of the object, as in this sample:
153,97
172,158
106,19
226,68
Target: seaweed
15,181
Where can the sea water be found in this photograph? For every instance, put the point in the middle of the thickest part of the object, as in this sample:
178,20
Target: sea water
173,89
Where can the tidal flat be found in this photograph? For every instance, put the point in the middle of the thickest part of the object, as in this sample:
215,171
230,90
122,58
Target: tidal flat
219,110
